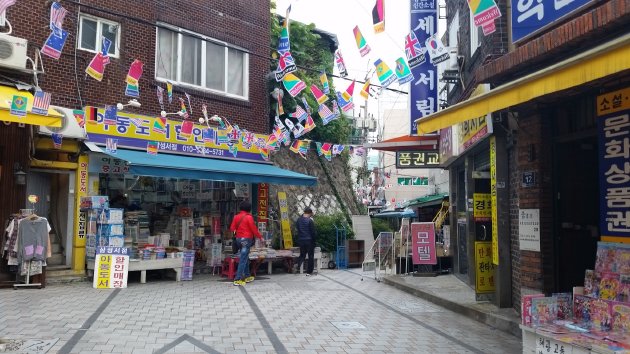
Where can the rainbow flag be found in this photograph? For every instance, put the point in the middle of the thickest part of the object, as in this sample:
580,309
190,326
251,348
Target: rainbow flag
293,84
365,90
378,16
159,125
152,147
264,153
319,95
183,108
300,147
324,80
403,72
364,48
384,73
272,142
324,149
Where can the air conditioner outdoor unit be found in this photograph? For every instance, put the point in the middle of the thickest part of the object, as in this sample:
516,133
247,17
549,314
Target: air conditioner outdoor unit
69,126
452,61
12,52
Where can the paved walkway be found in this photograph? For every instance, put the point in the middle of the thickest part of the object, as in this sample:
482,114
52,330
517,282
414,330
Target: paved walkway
334,312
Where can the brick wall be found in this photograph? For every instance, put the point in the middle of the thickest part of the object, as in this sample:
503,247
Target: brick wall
236,22
514,185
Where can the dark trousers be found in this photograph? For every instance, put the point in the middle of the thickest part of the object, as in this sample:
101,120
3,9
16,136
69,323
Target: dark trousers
307,247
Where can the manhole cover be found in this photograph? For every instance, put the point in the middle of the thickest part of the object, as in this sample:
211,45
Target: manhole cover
348,325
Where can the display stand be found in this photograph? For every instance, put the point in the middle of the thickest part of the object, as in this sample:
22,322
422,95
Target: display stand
27,283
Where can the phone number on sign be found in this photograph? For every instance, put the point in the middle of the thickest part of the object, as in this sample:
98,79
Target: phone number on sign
202,150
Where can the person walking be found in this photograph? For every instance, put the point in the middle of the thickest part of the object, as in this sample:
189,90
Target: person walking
306,240
244,230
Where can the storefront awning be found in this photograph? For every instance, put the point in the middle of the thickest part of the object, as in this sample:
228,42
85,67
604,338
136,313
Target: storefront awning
53,119
407,142
427,200
179,166
599,62
395,214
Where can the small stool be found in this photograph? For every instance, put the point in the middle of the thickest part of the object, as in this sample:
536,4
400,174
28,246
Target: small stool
229,267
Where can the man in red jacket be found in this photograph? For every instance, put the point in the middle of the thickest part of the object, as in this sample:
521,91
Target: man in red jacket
245,230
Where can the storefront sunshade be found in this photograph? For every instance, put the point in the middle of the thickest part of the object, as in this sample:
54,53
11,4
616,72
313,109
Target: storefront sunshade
428,200
395,214
597,63
179,166
407,142
53,119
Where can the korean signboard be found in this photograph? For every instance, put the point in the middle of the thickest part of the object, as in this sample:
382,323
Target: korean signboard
529,229
482,207
613,122
417,159
134,131
423,243
484,272
284,220
473,130
529,17
493,200
423,91
263,194
80,191
413,181
111,267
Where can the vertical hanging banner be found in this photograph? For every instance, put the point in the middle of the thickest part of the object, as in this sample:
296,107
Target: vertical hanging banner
493,200
263,195
484,13
423,243
423,90
284,220
378,16
111,267
484,275
362,45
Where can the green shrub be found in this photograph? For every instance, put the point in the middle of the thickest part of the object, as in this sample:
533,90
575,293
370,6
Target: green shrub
380,225
326,233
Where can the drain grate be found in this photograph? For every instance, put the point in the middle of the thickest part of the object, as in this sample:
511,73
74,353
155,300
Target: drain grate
348,325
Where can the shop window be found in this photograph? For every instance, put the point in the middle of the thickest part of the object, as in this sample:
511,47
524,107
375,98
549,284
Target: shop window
91,29
190,59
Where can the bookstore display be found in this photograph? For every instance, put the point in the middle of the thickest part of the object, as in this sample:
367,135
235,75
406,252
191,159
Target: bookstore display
594,318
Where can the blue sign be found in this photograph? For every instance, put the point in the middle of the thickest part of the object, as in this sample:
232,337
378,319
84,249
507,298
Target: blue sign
529,16
423,89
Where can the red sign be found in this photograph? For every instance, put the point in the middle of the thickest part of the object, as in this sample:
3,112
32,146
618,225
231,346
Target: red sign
423,243
263,193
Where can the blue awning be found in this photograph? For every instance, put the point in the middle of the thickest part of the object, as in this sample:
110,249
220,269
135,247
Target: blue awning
179,166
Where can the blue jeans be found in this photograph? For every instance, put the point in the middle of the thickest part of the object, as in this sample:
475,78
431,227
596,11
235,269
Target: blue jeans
243,264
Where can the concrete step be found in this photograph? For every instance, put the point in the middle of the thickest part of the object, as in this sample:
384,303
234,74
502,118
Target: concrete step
56,259
55,247
64,279
60,272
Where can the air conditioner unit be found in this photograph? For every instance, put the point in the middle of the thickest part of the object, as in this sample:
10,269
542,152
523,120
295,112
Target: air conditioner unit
371,125
13,52
452,61
69,126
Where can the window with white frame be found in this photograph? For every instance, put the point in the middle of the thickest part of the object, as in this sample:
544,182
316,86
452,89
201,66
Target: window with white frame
475,35
91,29
191,59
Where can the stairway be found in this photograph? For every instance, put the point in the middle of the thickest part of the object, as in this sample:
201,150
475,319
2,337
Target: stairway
57,272
57,256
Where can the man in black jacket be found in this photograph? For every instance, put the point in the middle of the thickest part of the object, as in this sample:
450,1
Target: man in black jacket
306,240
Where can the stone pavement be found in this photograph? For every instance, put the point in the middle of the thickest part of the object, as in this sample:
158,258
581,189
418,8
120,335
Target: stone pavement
450,292
334,312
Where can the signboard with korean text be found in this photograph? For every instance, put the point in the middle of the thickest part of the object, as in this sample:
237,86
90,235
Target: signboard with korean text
493,200
418,159
134,131
285,221
423,243
111,267
413,181
423,90
484,272
262,200
482,207
81,190
613,125
100,163
545,344
529,229
472,131
529,17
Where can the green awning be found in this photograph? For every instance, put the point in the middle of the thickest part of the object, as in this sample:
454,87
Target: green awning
427,200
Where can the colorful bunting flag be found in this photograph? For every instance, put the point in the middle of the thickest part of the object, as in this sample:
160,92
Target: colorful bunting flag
79,117
159,125
209,135
308,125
91,115
300,147
160,96
41,102
343,103
286,64
384,73
133,79
57,14
264,153
318,94
326,151
300,114
169,92
403,72
362,45
341,66
182,104
111,145
272,142
298,130
222,136
152,147
189,104
326,114
484,13
283,42
378,16
293,84
247,139
57,140
337,149
96,69
349,92
186,129
437,51
233,148
324,81
414,51
55,42
289,124
336,107
365,90
111,115
306,106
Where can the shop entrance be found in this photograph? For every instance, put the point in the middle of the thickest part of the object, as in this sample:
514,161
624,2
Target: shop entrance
55,202
577,210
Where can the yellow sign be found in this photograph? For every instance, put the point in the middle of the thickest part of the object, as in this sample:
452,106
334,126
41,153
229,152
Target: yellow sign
51,119
284,219
482,206
102,271
613,102
473,130
484,270
493,200
81,190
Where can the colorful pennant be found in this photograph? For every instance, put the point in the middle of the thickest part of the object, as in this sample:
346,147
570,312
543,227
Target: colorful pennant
79,117
264,153
437,51
484,13
309,125
133,79
111,115
41,102
349,92
306,106
318,94
403,72
365,90
57,140
111,145
283,42
186,129
384,73
414,51
152,147
299,114
326,114
209,135
160,96
96,69
57,14
378,16
323,79
182,104
298,130
337,149
91,115
293,84
345,105
54,43
362,45
286,64
169,92
341,66
159,125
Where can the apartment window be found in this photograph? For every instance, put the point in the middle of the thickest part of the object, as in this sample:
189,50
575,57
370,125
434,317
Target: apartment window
475,35
190,59
91,29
